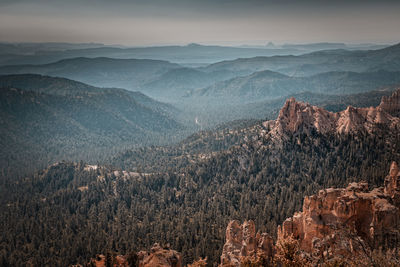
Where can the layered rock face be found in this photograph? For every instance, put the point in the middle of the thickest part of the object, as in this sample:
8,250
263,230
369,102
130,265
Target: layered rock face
346,220
297,117
242,241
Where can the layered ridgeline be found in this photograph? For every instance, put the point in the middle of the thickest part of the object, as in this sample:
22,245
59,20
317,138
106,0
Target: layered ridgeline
210,111
45,119
235,89
343,71
316,62
266,85
102,72
193,54
73,211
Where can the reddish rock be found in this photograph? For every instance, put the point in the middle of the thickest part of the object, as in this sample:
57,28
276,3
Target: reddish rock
156,257
242,241
297,117
159,257
392,183
342,221
391,104
100,261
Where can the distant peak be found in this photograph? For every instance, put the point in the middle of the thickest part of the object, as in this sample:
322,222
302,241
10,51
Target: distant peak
194,45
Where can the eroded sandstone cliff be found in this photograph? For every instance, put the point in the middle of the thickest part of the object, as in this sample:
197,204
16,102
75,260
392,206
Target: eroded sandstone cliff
296,117
243,241
336,222
391,104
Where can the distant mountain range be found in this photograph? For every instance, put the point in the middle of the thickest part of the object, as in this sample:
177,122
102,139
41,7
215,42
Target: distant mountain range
235,89
316,62
269,85
187,54
102,72
38,48
192,54
245,77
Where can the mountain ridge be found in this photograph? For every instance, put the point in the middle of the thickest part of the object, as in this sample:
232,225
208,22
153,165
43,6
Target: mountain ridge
267,85
315,62
101,71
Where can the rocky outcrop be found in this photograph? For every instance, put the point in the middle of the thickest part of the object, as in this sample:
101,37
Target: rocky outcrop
242,241
298,117
345,221
392,184
337,222
391,104
156,257
159,257
101,261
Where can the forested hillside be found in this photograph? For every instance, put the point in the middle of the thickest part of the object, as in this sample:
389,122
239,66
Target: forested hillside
73,211
46,119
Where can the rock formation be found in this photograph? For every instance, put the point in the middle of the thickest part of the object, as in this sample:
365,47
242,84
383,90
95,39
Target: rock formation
297,117
159,257
391,104
346,221
100,261
392,184
242,241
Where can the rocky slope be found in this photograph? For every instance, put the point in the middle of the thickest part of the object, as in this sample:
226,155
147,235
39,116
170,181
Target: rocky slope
335,223
295,117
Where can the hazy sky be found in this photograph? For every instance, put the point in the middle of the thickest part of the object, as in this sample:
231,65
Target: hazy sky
152,22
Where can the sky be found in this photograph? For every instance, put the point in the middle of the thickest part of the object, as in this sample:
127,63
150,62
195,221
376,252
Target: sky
225,22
